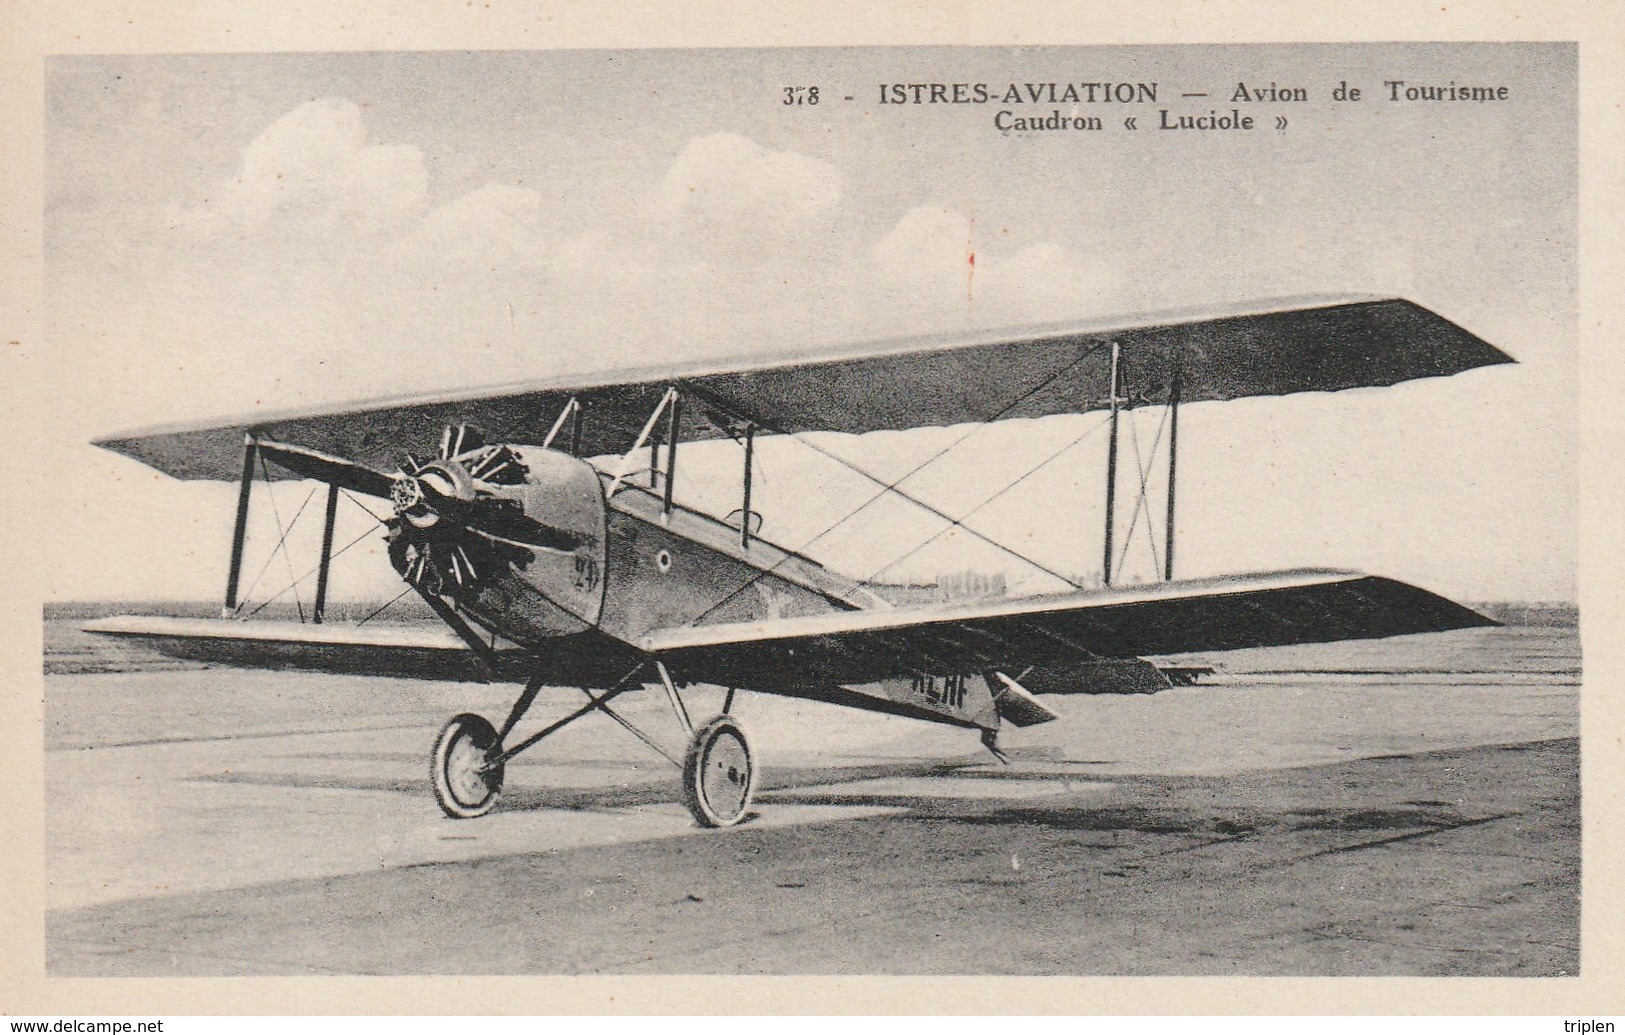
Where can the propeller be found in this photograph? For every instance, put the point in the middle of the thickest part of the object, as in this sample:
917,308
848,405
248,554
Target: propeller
450,531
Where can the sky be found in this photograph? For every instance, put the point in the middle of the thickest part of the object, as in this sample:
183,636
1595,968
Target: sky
234,233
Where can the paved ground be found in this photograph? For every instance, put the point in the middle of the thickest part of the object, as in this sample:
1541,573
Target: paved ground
1408,809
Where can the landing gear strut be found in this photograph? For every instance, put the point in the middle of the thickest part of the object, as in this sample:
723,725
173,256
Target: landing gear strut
468,762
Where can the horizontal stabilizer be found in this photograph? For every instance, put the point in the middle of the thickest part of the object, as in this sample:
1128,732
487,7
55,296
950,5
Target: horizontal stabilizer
1015,704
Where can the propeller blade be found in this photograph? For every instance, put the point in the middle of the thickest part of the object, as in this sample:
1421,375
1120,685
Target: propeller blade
525,532
311,463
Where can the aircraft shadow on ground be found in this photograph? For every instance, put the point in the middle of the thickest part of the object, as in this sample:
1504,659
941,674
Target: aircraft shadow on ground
1060,810
1405,820
781,786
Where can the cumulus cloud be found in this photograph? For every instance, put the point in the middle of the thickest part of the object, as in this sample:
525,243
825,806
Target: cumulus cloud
493,227
728,183
314,171
325,237
928,242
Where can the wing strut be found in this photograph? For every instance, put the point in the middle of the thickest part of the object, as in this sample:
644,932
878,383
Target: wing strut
673,435
654,459
1111,465
645,436
1173,458
326,561
744,505
240,532
571,409
576,424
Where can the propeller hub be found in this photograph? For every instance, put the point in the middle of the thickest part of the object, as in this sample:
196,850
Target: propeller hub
442,489
405,494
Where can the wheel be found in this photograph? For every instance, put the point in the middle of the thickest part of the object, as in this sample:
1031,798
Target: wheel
462,790
719,774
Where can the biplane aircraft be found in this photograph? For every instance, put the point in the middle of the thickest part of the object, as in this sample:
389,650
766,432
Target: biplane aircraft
557,557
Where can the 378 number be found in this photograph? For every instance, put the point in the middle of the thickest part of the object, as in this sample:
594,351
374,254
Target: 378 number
807,95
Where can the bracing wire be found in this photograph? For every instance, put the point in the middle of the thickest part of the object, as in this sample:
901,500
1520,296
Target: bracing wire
1150,533
385,607
1142,468
934,512
335,555
885,486
279,547
364,508
1150,536
281,543
973,511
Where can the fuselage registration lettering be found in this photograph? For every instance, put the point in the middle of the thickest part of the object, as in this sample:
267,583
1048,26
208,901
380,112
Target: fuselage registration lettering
946,690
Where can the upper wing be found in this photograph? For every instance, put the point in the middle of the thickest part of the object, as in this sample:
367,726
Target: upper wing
1311,606
1267,348
416,652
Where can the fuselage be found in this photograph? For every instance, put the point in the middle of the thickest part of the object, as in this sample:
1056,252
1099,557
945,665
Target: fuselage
638,563
638,567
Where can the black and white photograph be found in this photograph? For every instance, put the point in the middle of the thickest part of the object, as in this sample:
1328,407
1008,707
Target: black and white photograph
1064,511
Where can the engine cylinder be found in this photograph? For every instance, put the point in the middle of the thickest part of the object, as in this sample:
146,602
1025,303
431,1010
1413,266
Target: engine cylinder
528,589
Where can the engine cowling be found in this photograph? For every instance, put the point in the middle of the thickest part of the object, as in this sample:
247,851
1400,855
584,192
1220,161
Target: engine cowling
514,536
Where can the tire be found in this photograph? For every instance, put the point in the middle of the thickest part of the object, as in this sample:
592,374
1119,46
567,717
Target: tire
462,791
719,773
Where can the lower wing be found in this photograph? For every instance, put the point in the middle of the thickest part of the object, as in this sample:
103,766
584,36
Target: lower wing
960,664
1057,632
416,652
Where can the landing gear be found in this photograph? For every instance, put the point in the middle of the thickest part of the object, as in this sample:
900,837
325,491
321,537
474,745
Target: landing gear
719,773
466,783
